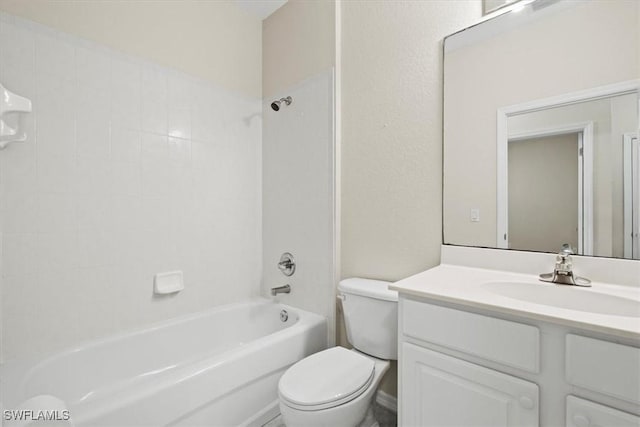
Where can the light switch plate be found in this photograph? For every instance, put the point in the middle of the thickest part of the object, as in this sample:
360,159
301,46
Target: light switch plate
474,215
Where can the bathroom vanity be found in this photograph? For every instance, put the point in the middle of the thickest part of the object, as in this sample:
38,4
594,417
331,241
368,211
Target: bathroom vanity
541,152
487,346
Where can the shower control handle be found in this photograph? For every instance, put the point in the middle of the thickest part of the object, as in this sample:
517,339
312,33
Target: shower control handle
283,265
287,264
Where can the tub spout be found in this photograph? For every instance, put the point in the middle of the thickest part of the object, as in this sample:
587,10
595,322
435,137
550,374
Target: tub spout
286,289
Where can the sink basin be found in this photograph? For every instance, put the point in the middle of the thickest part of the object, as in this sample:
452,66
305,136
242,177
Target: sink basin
567,297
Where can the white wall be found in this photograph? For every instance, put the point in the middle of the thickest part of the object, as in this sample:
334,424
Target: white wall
298,42
214,40
130,169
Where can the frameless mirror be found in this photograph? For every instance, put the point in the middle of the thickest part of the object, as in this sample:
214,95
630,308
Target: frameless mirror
541,129
489,6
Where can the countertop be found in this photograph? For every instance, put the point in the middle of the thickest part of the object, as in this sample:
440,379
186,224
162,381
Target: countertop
467,286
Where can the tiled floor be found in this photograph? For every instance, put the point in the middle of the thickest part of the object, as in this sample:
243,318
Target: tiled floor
385,417
276,422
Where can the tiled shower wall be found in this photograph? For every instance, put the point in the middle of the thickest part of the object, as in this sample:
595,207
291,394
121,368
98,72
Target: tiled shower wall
298,196
129,169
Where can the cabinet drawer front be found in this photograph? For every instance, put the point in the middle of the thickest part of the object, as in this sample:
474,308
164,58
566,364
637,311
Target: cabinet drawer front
440,390
582,413
604,367
509,343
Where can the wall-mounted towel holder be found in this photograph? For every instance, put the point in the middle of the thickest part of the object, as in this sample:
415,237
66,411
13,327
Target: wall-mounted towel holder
11,104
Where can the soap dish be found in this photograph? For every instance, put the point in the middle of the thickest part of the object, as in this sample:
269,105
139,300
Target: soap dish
168,283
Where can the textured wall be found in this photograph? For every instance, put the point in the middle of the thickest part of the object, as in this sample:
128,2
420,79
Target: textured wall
214,40
392,133
391,170
130,169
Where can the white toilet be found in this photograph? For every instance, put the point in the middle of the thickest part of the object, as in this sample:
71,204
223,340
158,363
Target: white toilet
335,387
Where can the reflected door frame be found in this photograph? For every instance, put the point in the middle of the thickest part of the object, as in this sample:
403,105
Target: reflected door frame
584,157
502,140
631,188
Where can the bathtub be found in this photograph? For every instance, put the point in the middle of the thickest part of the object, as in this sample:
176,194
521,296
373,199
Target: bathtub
215,368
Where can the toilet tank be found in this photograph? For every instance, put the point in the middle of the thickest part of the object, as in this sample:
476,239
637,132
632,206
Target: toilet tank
370,316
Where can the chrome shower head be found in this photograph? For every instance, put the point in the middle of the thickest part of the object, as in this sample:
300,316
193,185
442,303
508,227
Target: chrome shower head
275,105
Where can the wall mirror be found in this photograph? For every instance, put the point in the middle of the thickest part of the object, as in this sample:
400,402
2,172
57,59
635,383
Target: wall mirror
541,119
489,6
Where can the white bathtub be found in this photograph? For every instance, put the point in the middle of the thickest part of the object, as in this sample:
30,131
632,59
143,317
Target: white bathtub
216,368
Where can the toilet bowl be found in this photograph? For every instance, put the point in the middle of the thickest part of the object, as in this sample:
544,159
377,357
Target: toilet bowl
332,388
336,387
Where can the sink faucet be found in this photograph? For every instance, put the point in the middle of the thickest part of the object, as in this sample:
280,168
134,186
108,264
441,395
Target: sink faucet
286,289
563,271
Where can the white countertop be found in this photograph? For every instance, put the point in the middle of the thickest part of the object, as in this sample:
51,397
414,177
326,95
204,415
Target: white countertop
468,286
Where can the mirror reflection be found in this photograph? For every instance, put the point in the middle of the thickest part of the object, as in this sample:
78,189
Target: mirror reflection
541,130
566,181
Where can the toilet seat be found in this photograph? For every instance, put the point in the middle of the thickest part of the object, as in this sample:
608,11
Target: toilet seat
326,379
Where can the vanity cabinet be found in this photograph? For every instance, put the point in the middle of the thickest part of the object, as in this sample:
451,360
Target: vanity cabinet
583,413
598,366
440,390
466,366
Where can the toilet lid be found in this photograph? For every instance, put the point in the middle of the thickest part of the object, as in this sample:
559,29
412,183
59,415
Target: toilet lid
328,378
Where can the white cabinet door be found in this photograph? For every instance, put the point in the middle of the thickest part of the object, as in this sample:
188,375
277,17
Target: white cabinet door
439,390
618,377
583,413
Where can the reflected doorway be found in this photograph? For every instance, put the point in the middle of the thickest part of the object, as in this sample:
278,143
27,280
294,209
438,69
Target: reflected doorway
553,197
543,192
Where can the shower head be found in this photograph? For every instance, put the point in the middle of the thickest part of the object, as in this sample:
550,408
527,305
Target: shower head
275,105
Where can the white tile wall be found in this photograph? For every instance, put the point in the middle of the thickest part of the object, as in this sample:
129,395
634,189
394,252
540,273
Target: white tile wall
129,169
299,194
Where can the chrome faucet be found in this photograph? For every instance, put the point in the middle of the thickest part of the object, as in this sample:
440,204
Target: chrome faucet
563,271
287,264
286,289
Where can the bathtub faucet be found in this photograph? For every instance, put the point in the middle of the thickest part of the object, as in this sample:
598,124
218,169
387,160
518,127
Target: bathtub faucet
286,289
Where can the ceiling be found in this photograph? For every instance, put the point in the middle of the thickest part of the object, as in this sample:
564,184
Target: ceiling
260,8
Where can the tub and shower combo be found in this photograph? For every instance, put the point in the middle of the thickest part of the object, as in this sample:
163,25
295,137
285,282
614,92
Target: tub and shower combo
219,367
